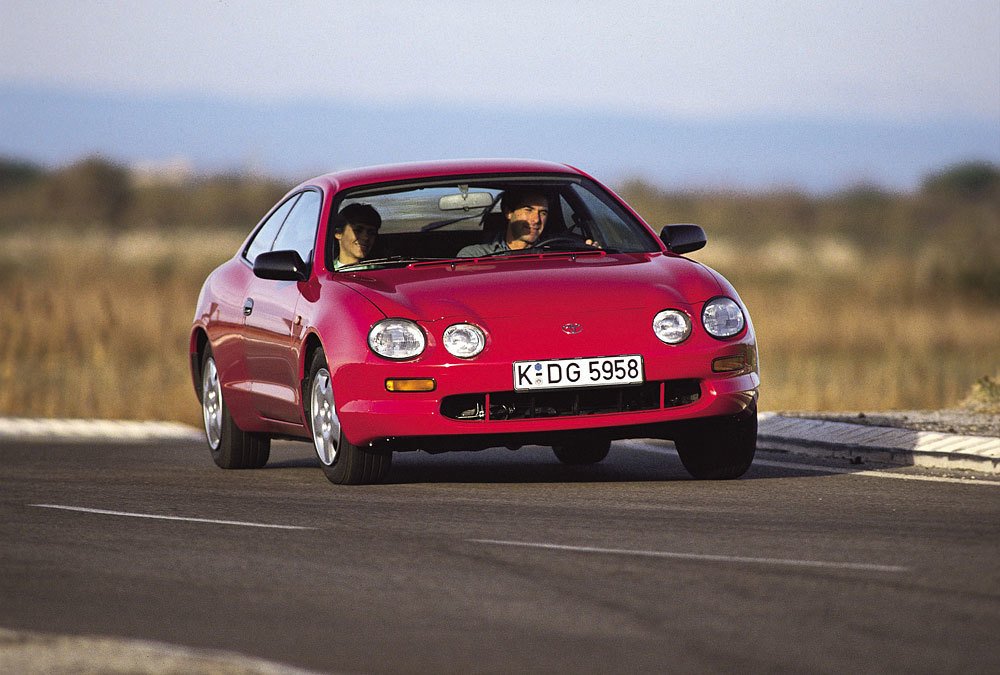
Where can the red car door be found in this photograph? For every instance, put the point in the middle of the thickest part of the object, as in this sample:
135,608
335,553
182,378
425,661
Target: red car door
273,330
225,331
271,335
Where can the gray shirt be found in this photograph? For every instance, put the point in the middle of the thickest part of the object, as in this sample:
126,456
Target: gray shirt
496,245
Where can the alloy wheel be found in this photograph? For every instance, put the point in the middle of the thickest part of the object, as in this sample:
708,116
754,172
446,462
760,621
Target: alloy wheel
325,424
211,403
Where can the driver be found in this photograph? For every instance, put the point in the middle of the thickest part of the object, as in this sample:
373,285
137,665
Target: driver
526,212
356,231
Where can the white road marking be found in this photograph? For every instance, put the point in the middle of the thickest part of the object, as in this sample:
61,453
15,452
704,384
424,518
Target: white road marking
646,447
158,517
867,567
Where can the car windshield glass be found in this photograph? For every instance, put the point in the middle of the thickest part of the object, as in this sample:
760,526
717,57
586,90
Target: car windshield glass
466,217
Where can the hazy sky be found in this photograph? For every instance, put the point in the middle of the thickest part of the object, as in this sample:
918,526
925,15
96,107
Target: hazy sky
894,60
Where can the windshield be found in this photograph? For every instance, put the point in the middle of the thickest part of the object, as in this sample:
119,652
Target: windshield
483,217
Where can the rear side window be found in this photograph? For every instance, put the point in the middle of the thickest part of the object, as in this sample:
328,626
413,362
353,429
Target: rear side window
299,231
266,234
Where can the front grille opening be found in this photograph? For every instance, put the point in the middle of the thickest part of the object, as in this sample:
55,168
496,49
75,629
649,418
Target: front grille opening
513,405
680,392
464,407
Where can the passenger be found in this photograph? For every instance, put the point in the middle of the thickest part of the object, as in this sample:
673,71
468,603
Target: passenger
356,230
526,212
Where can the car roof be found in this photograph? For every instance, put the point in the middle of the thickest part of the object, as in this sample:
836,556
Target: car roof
387,173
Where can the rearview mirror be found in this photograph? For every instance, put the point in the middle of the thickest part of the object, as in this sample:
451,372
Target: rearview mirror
683,237
466,201
280,266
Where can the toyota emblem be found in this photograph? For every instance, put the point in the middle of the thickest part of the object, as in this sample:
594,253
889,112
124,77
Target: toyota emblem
571,328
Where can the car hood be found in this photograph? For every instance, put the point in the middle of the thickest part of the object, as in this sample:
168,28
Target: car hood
534,286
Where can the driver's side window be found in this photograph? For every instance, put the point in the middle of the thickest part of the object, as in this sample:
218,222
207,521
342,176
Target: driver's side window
268,232
299,231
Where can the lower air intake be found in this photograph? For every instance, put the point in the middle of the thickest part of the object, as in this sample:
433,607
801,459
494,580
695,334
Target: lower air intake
514,405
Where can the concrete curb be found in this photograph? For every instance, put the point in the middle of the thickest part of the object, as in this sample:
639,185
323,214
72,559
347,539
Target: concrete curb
888,445
37,653
114,431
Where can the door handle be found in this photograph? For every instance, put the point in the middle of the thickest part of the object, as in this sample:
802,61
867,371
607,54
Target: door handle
248,307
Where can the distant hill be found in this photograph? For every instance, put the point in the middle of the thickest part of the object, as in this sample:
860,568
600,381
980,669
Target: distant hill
297,138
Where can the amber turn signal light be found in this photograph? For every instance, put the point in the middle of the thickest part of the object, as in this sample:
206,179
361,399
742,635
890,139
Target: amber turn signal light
745,361
728,364
422,384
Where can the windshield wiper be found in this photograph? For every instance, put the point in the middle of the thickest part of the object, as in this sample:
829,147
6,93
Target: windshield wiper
381,262
566,247
546,247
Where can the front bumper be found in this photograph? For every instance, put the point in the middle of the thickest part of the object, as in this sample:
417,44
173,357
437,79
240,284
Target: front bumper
371,416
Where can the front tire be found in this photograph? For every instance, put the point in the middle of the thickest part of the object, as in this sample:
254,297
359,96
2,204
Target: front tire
343,462
231,447
720,448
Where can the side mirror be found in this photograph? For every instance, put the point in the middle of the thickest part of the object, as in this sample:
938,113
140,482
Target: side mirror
281,266
683,237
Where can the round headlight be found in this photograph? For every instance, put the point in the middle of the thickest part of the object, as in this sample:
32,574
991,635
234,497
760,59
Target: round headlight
464,340
672,326
722,317
396,339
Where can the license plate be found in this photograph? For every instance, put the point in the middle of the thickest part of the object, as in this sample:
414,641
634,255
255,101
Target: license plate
562,373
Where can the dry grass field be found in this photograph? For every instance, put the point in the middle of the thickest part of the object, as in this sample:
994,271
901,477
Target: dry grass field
95,324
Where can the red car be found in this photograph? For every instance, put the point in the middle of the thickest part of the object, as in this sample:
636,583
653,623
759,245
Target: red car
460,305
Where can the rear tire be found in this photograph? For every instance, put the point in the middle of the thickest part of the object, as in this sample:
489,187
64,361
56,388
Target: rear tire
720,448
231,447
343,462
584,452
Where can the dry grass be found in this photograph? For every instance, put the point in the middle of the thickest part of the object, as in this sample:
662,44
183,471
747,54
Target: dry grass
841,329
96,325
985,396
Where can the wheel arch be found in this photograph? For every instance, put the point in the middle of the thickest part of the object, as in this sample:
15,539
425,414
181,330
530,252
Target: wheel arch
199,343
309,348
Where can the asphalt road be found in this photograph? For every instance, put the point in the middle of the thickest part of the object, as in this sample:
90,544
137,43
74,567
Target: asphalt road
503,562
